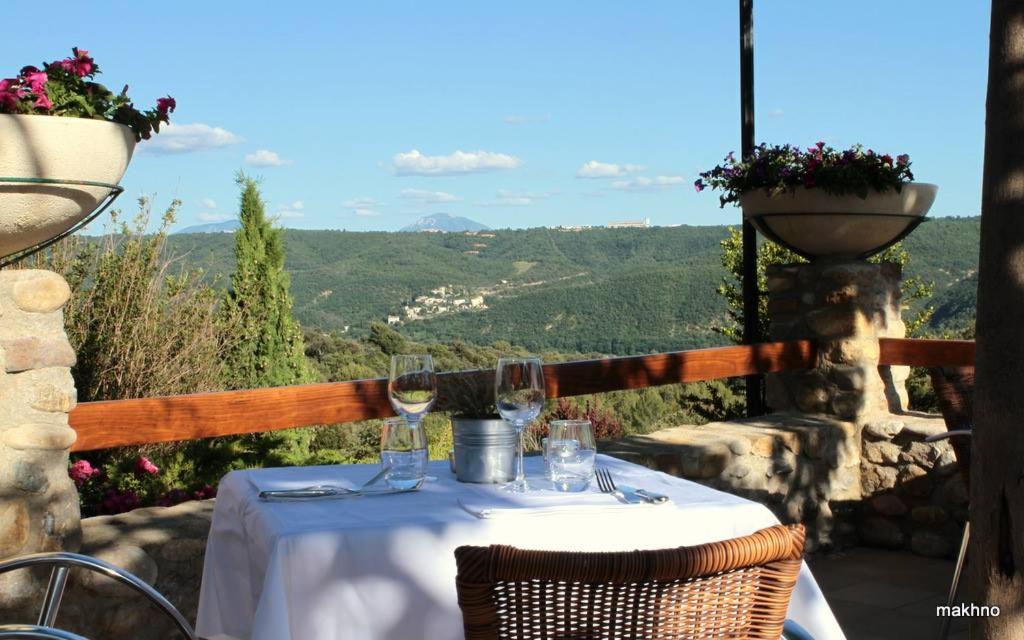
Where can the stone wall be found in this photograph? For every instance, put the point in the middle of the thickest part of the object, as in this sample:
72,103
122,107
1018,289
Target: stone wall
845,307
914,496
38,502
164,546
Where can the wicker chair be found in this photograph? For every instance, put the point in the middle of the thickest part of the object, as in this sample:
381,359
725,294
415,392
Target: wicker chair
954,387
737,588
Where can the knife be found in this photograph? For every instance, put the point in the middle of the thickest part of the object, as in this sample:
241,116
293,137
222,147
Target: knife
646,496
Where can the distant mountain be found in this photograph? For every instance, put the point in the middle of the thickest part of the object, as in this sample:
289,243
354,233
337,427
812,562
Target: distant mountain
228,226
445,222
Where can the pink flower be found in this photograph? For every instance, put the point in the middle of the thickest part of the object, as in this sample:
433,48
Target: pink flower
83,64
205,492
43,102
145,465
36,80
81,471
165,105
11,92
902,159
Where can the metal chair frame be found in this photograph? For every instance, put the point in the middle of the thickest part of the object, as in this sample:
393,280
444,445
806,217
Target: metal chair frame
61,564
35,632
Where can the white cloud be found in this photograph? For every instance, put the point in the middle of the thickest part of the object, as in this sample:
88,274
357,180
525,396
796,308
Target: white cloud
293,210
362,202
414,163
186,138
365,213
596,169
265,158
423,196
515,119
642,183
213,216
208,203
509,198
776,113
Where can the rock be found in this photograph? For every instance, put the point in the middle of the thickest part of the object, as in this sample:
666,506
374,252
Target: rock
848,377
36,352
14,527
740,446
920,453
838,321
888,504
29,477
847,404
45,292
53,389
920,428
851,351
811,398
877,479
881,452
880,532
954,492
39,436
910,472
929,515
128,557
739,470
947,463
930,544
884,429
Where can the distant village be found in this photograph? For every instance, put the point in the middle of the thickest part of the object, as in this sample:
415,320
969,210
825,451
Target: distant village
440,300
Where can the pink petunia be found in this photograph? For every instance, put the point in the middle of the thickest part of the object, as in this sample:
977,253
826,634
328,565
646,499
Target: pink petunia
36,80
81,471
145,465
165,105
43,102
83,64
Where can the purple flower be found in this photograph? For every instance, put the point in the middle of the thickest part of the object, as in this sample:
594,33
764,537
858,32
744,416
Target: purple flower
173,497
165,105
902,160
698,184
119,502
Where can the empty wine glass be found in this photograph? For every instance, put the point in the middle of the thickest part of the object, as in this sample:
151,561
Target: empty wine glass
519,395
412,386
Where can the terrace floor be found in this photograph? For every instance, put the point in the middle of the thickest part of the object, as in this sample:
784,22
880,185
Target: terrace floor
886,595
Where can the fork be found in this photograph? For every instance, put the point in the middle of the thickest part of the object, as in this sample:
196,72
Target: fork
606,484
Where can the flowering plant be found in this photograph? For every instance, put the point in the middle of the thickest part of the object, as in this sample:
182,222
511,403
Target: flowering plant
67,88
778,169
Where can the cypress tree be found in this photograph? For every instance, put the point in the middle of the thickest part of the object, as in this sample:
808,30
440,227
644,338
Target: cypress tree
266,349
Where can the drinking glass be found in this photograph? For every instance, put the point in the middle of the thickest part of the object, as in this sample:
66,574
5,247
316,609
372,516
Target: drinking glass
519,395
412,386
570,453
403,453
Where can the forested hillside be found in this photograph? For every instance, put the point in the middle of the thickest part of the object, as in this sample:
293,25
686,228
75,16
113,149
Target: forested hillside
592,290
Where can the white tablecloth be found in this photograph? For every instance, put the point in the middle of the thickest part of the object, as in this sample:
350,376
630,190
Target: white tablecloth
382,568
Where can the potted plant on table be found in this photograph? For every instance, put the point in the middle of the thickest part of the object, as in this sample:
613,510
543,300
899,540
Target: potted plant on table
484,444
821,202
65,143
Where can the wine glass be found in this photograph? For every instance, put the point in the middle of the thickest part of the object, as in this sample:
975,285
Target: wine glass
519,395
412,386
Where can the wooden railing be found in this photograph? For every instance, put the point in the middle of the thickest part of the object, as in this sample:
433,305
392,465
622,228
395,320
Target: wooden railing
118,423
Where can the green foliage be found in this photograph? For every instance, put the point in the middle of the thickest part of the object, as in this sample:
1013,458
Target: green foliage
780,168
266,349
731,287
66,88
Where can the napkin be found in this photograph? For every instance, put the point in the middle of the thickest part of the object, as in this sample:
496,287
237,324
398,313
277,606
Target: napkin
544,504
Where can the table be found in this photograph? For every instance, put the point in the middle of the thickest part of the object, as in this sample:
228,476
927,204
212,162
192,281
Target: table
383,568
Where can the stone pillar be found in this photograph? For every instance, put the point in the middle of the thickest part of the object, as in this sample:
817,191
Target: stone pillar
846,306
39,508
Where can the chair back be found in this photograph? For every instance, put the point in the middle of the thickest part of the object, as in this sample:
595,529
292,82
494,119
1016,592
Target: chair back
60,564
954,387
737,588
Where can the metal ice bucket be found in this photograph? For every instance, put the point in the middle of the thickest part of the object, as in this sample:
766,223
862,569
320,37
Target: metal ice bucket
485,450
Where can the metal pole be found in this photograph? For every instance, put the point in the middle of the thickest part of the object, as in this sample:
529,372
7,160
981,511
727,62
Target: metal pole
755,398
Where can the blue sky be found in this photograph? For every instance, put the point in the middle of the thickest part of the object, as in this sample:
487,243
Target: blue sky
369,115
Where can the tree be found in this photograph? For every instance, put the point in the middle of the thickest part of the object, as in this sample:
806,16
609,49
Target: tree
997,468
266,349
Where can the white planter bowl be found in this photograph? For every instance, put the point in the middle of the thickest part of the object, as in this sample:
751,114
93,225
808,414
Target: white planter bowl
60,149
816,224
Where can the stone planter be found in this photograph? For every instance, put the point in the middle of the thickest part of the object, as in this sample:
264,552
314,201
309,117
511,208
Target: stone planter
816,224
53,148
